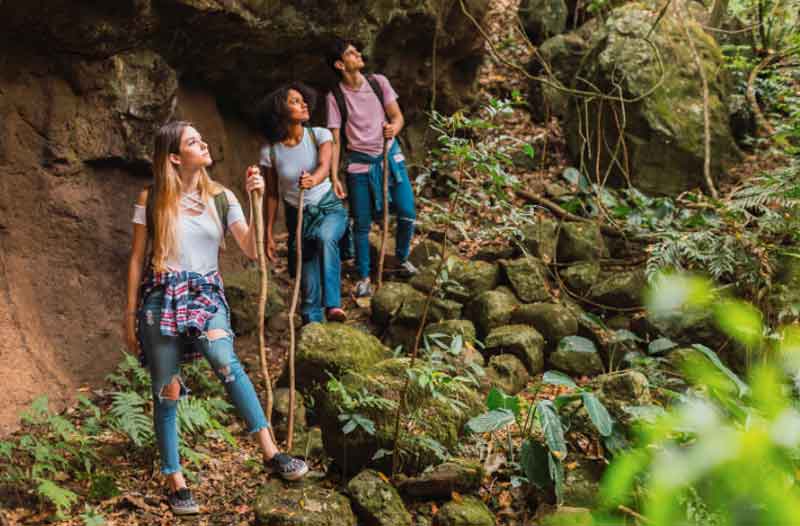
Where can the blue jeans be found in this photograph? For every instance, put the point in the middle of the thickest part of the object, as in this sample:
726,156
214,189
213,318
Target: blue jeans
321,279
163,356
361,209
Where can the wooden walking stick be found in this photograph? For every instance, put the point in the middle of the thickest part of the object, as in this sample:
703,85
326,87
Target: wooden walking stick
256,214
298,241
385,232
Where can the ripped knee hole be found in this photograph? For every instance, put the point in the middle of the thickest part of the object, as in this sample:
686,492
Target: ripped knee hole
171,391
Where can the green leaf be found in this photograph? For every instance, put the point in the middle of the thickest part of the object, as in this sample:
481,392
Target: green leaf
497,399
598,413
711,355
660,345
529,151
556,468
558,378
552,428
350,426
491,421
574,177
576,344
534,462
646,413
62,498
740,320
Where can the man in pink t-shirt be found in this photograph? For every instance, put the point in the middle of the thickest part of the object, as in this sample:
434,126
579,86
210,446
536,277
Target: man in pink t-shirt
365,108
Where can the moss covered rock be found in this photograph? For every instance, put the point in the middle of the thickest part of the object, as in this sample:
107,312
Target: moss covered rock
553,321
508,373
425,253
450,328
491,309
528,278
303,504
242,292
543,19
620,289
376,501
539,239
581,276
567,516
387,301
434,418
577,355
664,134
308,444
459,475
476,277
522,341
581,241
468,511
334,348
280,415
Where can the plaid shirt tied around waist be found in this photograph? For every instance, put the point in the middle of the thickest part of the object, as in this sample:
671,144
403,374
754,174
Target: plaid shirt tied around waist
190,301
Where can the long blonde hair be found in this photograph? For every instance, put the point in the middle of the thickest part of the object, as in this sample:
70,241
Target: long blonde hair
167,188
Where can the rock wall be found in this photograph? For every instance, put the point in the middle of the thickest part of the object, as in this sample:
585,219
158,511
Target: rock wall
83,86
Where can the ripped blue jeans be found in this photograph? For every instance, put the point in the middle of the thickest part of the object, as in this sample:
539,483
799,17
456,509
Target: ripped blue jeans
163,359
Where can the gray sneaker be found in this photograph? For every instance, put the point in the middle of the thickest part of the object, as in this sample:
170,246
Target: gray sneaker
407,269
288,467
181,502
362,288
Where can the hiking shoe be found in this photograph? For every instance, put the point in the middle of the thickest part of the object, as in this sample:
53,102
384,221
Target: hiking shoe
407,269
288,467
336,314
362,288
181,502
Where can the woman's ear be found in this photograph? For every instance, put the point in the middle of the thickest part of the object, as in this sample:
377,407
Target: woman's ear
174,158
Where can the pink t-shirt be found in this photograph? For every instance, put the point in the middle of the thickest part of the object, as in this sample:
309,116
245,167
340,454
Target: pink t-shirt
365,117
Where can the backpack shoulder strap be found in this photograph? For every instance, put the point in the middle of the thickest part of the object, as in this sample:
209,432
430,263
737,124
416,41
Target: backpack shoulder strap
313,136
373,83
338,96
222,205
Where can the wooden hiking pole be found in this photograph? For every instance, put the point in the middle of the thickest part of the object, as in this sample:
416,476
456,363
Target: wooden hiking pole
385,231
256,214
298,266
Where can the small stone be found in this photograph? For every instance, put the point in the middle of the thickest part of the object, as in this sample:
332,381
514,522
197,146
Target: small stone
580,241
621,289
491,309
468,511
528,278
508,373
425,253
553,321
539,239
522,341
577,355
459,475
580,276
304,504
376,501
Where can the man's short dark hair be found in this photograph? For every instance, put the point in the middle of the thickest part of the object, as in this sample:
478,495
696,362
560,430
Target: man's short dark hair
337,49
273,112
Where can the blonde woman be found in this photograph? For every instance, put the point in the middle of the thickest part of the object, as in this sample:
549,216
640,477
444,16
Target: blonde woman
178,303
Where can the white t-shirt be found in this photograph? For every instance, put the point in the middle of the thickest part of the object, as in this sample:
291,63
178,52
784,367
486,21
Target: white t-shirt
199,237
292,161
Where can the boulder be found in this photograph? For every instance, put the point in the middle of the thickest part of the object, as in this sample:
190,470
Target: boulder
621,390
539,239
376,501
387,301
450,328
334,348
543,19
491,309
426,252
476,277
553,321
581,276
304,504
467,511
495,251
459,475
528,278
435,418
522,341
242,292
577,355
580,241
664,132
508,373
620,289
567,516
582,483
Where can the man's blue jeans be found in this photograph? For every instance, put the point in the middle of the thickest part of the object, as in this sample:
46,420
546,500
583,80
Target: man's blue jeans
163,355
322,266
361,209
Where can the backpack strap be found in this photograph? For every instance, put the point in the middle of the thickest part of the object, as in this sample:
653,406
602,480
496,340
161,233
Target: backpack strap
338,96
376,88
222,205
